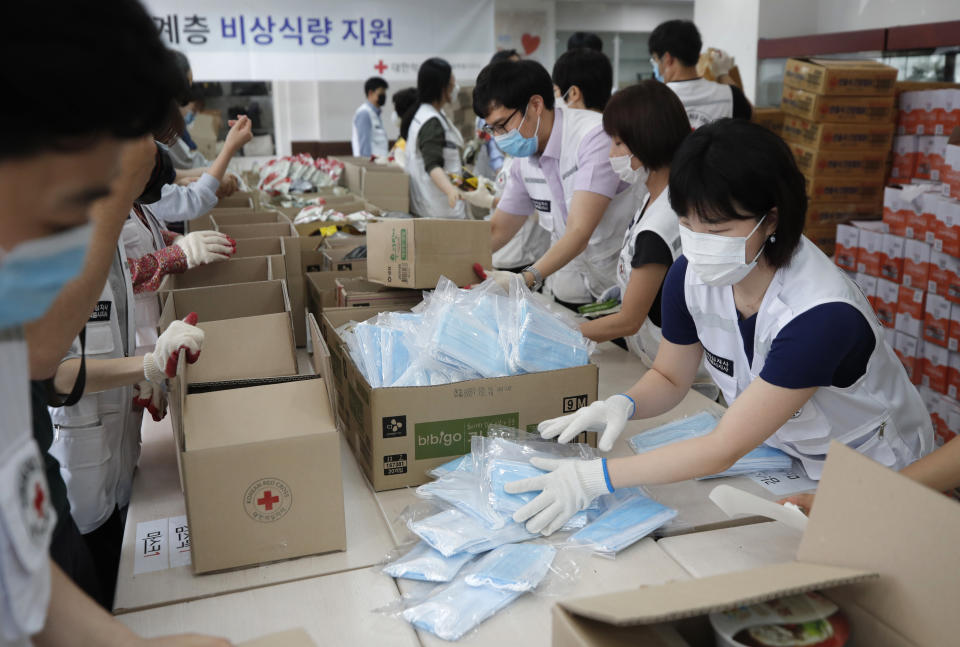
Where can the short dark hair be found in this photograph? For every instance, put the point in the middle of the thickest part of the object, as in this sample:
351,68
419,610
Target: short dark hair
373,84
650,119
680,38
590,71
733,163
504,55
511,84
586,39
433,78
105,56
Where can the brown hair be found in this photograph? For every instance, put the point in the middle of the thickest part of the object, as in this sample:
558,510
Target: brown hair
650,120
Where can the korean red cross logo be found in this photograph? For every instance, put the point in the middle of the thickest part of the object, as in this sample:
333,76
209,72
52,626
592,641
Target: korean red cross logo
267,499
380,66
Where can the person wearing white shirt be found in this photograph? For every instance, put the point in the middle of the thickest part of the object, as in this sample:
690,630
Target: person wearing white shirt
368,137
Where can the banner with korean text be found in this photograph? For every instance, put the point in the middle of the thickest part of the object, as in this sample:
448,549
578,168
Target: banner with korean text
310,40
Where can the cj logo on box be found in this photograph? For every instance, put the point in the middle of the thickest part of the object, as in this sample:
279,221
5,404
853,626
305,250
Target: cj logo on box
267,499
394,426
574,403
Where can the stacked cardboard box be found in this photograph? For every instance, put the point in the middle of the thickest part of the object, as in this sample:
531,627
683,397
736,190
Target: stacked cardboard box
839,123
385,185
770,118
908,266
927,115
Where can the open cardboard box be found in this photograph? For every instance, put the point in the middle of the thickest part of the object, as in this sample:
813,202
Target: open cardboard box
399,433
233,270
386,186
232,301
333,260
881,546
358,292
261,468
416,252
239,200
258,247
322,289
247,217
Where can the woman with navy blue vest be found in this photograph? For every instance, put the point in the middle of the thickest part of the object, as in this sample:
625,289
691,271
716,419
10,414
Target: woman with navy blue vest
791,341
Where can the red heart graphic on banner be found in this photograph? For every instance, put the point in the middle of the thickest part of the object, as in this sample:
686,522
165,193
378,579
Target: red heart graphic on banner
530,43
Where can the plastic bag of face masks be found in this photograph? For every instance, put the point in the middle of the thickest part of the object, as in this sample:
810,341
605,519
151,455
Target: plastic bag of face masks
462,490
452,531
426,564
462,464
514,567
701,424
627,520
452,610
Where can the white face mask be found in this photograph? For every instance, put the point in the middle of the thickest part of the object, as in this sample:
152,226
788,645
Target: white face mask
621,166
718,260
561,101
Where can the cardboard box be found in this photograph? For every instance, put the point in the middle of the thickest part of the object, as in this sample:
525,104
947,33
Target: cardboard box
896,210
824,237
769,118
845,553
388,187
870,249
868,285
227,301
839,77
239,200
333,261
946,227
848,244
844,189
245,217
905,152
936,323
247,247
864,163
399,433
916,263
891,257
908,349
261,467
910,311
888,294
358,292
829,214
837,109
931,151
322,289
833,136
415,253
954,342
941,273
935,361
953,379
234,270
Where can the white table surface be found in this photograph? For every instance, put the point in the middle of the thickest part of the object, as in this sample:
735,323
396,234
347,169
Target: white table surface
715,552
334,609
156,494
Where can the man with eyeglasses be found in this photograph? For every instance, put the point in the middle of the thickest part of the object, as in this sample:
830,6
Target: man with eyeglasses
563,173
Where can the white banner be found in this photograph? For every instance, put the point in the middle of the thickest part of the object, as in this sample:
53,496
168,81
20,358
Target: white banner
306,40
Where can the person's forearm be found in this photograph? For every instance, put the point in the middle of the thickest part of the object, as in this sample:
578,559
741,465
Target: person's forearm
75,619
503,227
939,470
609,327
570,245
102,374
440,178
182,174
219,166
655,393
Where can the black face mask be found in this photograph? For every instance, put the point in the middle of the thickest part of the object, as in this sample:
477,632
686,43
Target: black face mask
163,173
381,99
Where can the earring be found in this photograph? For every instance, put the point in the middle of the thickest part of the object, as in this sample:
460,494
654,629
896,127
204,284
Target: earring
773,238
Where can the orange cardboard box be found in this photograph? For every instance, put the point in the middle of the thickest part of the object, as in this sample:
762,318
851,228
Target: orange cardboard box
848,242
891,257
941,272
947,227
954,342
896,210
936,359
931,151
916,263
904,157
936,323
910,311
868,284
870,249
888,293
953,376
907,349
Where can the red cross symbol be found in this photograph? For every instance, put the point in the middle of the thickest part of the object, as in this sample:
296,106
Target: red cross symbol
268,500
380,66
38,498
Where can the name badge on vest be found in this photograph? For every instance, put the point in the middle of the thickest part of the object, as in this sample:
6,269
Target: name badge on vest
101,312
722,364
542,206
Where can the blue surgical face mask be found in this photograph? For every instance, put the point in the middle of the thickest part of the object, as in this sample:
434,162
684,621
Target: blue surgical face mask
656,70
515,144
33,273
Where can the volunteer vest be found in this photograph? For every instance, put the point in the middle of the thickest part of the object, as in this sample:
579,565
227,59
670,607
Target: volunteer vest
426,200
527,245
881,415
140,239
588,275
97,440
378,136
705,101
660,219
27,518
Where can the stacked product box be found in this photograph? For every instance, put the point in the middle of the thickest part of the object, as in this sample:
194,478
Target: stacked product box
927,114
839,123
908,266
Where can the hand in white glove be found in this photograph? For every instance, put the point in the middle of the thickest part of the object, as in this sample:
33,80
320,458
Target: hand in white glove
479,198
502,278
202,247
179,335
151,397
720,63
608,416
569,486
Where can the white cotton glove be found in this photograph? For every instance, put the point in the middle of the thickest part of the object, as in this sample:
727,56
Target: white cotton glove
480,198
569,486
151,397
179,335
502,278
202,247
608,416
720,63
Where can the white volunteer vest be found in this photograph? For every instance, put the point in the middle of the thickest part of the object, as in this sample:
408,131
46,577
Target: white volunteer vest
881,415
139,240
426,200
379,145
527,245
661,219
97,440
705,101
27,519
589,275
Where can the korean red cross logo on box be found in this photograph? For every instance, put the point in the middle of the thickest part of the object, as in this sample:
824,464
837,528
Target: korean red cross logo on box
267,499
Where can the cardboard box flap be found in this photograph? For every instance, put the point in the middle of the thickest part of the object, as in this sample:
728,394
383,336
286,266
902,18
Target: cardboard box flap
320,359
269,349
867,516
687,599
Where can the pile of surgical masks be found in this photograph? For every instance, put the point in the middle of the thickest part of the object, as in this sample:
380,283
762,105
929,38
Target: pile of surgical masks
760,459
456,335
298,173
481,559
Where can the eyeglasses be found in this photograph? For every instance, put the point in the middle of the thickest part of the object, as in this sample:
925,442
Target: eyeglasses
501,128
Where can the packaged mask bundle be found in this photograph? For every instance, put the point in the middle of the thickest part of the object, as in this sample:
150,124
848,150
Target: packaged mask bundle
544,342
453,610
426,564
625,522
514,567
461,489
701,424
460,464
453,531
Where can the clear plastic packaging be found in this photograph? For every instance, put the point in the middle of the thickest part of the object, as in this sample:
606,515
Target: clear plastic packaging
514,567
462,464
426,564
451,611
462,490
627,520
450,532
